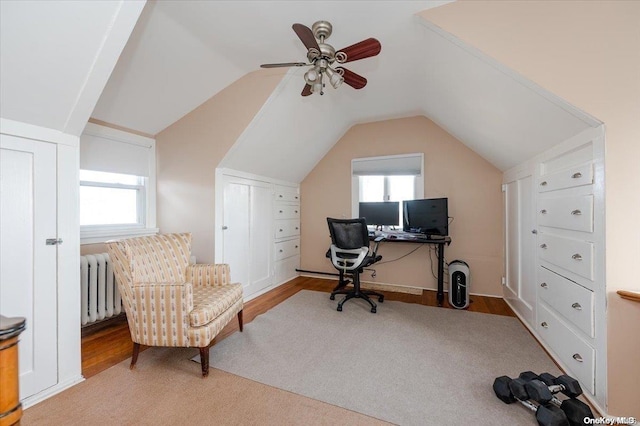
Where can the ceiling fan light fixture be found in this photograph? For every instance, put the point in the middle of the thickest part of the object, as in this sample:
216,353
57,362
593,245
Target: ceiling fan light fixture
334,77
311,76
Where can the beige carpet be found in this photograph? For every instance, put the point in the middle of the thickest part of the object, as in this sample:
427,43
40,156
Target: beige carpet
166,389
408,364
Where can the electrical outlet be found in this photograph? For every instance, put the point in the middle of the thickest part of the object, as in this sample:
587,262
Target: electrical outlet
504,281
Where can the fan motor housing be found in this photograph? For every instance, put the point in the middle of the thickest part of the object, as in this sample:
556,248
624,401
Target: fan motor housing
322,29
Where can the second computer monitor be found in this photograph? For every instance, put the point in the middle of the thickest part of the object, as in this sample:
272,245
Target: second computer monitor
429,216
381,213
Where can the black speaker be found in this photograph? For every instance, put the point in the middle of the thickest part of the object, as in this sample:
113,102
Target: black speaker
459,280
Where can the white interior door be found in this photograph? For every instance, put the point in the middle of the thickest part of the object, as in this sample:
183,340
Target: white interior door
247,232
27,265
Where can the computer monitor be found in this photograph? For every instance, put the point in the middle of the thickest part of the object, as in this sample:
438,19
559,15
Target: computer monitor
381,213
429,216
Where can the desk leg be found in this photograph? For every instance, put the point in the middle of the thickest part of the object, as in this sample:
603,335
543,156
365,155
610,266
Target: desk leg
440,294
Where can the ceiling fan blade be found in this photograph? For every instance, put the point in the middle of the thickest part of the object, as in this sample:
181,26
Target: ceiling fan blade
306,36
352,79
284,64
364,49
306,91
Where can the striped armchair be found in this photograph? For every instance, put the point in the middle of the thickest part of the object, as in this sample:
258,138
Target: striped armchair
169,302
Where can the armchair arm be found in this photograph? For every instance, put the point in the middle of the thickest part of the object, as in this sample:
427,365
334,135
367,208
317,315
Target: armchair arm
209,274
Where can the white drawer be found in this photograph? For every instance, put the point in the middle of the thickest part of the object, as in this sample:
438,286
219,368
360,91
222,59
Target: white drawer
573,255
287,193
284,211
576,354
572,301
575,213
287,228
286,249
568,178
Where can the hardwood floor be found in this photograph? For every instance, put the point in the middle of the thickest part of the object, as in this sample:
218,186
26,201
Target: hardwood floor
103,347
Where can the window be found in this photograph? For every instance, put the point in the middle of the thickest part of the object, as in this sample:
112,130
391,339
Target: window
112,199
389,178
117,184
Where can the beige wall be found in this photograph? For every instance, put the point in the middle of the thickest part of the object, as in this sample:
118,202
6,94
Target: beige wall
588,53
189,151
452,170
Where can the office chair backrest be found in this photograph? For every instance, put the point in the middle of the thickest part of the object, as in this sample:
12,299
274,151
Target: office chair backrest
348,233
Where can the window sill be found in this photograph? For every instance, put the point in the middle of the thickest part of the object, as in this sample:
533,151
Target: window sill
101,236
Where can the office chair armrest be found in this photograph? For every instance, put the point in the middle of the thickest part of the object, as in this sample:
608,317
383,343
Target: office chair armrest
375,246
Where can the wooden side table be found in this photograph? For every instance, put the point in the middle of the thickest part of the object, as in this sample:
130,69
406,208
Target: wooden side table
10,406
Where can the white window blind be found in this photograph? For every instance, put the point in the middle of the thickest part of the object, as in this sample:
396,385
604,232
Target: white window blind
115,152
405,165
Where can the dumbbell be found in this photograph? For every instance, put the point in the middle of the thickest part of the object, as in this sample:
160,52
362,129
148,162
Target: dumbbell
565,384
509,390
575,410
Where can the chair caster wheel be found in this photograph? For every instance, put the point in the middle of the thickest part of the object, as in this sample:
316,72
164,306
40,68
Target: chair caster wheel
381,299
373,310
339,308
332,297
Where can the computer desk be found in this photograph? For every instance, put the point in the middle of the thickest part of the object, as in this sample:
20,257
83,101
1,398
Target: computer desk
410,238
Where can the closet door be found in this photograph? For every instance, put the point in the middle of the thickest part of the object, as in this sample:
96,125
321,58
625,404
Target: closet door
519,288
247,232
27,264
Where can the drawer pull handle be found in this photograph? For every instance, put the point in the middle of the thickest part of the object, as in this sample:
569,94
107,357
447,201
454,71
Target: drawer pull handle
544,325
296,197
543,211
543,246
576,212
576,256
577,306
543,183
577,357
544,285
297,228
280,195
295,211
280,230
576,175
280,211
280,250
296,246
534,231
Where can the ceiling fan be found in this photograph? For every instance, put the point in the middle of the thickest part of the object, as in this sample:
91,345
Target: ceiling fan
322,56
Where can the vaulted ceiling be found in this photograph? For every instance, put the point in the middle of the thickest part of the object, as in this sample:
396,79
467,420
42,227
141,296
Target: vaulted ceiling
182,53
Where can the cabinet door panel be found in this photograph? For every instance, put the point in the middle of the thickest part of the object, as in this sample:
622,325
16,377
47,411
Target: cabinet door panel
27,265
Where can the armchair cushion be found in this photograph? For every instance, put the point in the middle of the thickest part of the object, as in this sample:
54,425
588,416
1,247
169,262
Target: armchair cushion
209,302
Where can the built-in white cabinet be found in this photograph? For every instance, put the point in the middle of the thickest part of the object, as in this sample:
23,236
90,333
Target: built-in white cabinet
567,206
257,229
286,232
40,254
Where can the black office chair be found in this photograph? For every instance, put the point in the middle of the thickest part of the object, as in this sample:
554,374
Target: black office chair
350,254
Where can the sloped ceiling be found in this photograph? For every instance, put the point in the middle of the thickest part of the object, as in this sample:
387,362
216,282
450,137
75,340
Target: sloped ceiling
56,58
182,53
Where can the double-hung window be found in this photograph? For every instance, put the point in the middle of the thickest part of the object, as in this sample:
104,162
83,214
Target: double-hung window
117,184
388,178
